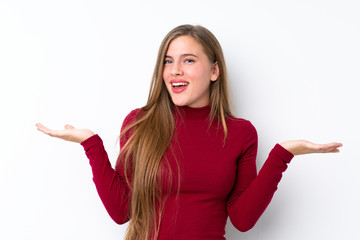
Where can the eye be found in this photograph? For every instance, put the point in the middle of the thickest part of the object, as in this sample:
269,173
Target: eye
167,61
189,60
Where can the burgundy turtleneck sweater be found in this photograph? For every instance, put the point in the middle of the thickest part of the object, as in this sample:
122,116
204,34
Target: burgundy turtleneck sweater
217,180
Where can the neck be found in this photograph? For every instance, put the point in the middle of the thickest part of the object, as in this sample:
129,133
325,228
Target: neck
186,112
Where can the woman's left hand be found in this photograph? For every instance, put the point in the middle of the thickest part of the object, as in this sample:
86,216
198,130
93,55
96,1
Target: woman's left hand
298,147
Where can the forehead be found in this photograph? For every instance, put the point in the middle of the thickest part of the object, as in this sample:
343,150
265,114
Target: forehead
184,44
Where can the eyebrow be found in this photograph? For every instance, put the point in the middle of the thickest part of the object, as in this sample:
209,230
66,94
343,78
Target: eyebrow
184,55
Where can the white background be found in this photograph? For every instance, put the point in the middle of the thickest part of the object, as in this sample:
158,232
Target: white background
294,72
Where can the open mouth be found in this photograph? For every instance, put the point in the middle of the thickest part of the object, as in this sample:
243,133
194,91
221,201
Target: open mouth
179,84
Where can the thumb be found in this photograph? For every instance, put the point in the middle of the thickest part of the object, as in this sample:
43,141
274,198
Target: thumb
68,126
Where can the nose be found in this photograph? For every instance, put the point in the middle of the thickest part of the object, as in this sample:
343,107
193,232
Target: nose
176,69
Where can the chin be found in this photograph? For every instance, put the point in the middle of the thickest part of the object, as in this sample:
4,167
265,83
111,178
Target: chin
179,103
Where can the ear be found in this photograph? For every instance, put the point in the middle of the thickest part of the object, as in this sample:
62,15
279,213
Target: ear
215,72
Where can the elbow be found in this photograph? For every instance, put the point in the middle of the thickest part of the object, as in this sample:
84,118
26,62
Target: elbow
243,223
244,219
119,216
244,227
120,220
117,212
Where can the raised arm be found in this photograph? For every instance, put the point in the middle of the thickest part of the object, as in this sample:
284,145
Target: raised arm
252,194
110,184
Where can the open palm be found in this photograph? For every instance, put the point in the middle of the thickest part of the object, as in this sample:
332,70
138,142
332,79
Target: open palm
69,133
298,147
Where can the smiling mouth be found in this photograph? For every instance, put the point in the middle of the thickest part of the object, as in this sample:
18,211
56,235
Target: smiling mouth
179,84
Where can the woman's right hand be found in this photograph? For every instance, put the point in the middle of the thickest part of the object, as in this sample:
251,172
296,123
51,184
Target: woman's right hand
69,133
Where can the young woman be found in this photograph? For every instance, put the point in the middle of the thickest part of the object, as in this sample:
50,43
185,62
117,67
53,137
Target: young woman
186,163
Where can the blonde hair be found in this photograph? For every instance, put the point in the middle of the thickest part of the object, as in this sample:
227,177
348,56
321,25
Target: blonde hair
152,132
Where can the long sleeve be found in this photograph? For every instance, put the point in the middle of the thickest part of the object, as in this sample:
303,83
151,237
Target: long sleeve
111,185
252,193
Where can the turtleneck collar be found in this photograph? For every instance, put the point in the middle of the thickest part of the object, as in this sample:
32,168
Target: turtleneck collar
186,112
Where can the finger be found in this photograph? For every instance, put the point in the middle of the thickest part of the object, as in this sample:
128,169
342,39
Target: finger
42,128
52,133
39,125
331,147
335,144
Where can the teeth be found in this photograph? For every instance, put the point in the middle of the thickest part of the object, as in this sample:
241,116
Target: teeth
179,84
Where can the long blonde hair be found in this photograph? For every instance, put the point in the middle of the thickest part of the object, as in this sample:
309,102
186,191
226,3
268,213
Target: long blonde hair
153,129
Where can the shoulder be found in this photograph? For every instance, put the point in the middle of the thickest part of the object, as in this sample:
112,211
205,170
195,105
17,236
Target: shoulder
242,133
240,125
132,116
126,130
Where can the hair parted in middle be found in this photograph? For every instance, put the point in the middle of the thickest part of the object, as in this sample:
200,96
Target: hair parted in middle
152,132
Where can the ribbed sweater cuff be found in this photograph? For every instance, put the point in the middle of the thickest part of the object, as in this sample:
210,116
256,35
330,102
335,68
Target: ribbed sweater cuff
90,142
282,153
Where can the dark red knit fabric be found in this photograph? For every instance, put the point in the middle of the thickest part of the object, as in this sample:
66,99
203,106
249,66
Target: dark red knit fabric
217,180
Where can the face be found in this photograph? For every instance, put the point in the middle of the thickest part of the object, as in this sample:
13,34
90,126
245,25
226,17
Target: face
188,72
